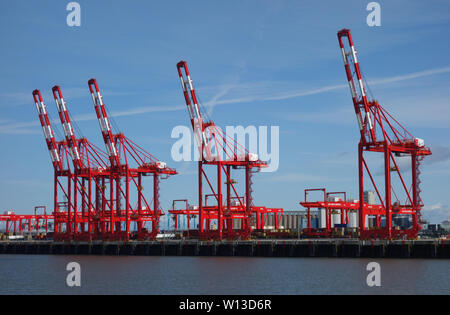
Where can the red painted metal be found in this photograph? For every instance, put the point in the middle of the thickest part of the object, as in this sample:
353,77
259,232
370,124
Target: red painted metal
30,223
90,169
93,190
62,174
129,163
98,188
340,206
382,133
223,153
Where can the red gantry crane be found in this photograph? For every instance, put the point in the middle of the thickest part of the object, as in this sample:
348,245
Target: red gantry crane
382,133
335,212
224,153
90,170
31,223
69,223
103,193
59,155
129,163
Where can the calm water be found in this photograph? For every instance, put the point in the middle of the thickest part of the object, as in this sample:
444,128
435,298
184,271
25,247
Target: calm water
22,274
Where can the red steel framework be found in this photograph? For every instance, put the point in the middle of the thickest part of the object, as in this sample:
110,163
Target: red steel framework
102,192
94,191
62,173
224,154
382,133
333,205
260,214
130,162
90,171
31,223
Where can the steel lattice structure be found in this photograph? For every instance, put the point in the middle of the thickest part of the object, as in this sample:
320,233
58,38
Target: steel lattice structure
223,153
102,193
99,195
62,172
31,223
130,162
382,133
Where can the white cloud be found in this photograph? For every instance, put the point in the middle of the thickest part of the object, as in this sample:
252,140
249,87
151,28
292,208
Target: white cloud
436,213
250,92
440,154
410,76
25,98
31,127
262,94
301,177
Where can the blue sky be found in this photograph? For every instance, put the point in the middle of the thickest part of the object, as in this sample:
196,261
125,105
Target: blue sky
274,63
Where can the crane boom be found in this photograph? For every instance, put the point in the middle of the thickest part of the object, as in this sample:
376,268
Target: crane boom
359,97
67,127
103,120
48,131
193,107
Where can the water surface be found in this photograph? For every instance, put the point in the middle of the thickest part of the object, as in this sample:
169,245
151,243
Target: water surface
46,274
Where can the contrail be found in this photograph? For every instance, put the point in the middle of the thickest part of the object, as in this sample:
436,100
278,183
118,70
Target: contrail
17,128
